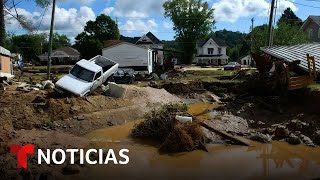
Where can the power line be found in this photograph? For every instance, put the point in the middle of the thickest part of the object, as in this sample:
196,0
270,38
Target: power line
44,12
317,7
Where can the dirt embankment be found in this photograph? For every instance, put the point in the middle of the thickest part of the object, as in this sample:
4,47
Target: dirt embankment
45,110
49,121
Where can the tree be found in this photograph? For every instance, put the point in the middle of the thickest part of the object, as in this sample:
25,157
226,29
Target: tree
28,45
287,34
90,42
193,20
284,34
290,18
6,6
58,41
260,34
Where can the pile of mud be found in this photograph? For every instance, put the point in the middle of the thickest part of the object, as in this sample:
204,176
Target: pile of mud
160,125
46,110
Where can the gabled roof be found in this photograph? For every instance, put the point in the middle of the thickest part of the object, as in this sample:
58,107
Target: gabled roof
69,51
219,42
110,43
152,38
142,47
315,19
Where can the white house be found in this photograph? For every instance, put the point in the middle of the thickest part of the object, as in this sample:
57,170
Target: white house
211,51
246,60
129,55
149,40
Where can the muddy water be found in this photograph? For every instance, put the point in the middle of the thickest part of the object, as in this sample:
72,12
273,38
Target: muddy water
261,161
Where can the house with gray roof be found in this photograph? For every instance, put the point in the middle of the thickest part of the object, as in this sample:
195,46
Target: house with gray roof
211,51
312,27
149,40
64,55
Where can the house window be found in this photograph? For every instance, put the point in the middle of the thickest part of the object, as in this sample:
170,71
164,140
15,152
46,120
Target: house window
219,49
310,33
210,50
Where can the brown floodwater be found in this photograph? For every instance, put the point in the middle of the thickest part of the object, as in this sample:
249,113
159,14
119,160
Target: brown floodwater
277,160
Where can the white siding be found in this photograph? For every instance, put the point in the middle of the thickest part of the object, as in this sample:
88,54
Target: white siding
127,55
211,44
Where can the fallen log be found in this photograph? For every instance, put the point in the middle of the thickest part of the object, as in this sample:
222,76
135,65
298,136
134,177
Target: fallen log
225,135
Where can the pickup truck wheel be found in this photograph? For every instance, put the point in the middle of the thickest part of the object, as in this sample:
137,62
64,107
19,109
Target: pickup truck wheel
110,79
86,94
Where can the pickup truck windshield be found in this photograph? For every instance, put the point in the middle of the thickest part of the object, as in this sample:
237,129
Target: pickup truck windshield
82,73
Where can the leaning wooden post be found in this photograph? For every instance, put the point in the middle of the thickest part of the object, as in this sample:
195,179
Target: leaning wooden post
309,67
314,68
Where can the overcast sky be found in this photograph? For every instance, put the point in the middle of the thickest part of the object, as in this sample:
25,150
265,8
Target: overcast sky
136,17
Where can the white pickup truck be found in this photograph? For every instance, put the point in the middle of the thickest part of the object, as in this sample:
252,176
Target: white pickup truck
86,76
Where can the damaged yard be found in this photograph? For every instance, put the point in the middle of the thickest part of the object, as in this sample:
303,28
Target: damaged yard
225,108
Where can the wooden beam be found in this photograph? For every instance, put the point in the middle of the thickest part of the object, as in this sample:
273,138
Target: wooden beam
225,135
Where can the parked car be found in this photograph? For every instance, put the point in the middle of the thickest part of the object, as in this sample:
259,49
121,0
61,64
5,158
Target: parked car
232,66
86,76
125,76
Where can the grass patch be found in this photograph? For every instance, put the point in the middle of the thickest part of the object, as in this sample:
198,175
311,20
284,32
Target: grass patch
314,87
212,73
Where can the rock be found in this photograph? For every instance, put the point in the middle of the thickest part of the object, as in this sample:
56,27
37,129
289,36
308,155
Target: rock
297,125
268,131
306,140
71,169
260,124
39,99
109,123
80,118
75,109
214,98
316,138
47,84
293,139
263,138
281,132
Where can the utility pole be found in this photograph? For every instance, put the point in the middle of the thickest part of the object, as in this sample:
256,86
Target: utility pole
271,23
50,39
2,24
252,21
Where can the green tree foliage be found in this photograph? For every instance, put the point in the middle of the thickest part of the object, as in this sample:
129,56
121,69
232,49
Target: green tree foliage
260,37
284,34
30,46
58,41
90,42
288,17
132,40
193,20
237,43
287,34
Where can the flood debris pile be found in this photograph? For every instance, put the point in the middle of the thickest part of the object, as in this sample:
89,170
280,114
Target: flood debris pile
161,125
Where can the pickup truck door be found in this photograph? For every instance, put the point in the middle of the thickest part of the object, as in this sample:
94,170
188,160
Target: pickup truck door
98,80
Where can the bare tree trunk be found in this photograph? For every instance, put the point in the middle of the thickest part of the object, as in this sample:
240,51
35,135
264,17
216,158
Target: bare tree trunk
2,24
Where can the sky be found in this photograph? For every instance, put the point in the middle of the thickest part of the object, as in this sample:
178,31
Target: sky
137,17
